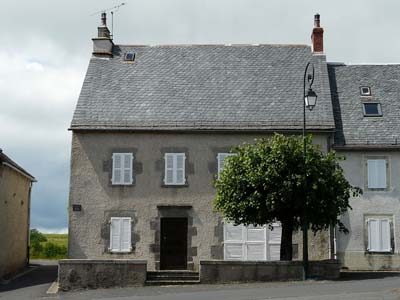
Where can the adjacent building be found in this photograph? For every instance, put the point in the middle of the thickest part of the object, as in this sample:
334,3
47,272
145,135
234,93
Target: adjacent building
15,197
366,103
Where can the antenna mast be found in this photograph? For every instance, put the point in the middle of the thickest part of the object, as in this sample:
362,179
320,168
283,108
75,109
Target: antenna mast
112,10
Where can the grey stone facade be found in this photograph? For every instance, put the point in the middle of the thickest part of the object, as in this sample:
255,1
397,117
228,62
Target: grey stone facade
148,200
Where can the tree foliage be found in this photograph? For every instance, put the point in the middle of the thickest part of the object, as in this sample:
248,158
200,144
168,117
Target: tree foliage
269,181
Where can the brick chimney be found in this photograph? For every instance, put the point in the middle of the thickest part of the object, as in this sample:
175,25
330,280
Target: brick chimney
103,44
317,36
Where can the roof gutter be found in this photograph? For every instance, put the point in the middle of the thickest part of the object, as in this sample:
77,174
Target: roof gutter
377,147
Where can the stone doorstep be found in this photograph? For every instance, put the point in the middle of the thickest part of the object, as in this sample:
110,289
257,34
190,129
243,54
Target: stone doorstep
171,277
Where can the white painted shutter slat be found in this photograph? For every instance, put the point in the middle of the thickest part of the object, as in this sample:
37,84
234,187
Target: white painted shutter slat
381,173
117,168
373,235
115,235
385,235
169,169
180,168
274,252
126,235
376,173
127,168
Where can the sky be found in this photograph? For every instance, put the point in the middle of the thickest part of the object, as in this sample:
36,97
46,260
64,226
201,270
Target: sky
45,47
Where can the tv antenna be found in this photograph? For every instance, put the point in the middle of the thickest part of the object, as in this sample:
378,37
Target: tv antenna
112,10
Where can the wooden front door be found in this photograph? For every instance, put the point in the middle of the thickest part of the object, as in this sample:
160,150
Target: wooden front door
173,252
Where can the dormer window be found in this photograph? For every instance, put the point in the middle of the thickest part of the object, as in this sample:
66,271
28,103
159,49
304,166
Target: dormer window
365,91
129,56
372,110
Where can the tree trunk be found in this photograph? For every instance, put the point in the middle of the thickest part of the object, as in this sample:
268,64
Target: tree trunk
286,241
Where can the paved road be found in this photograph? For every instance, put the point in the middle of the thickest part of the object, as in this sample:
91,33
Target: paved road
382,286
32,285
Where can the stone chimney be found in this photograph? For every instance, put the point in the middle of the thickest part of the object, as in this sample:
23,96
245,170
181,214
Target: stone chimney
317,36
103,44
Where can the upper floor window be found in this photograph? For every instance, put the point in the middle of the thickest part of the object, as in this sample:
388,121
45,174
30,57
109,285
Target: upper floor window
379,235
372,109
377,170
365,91
120,234
174,169
122,169
221,159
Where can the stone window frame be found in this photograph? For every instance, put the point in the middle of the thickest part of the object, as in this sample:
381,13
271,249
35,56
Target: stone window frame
392,233
365,164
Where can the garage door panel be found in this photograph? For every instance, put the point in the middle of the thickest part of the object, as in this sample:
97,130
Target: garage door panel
234,251
233,233
256,251
256,234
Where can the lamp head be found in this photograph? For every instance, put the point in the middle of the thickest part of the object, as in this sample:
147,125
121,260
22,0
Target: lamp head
310,99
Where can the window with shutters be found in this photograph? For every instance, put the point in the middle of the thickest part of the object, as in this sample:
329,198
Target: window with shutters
377,174
122,165
252,243
174,169
120,234
221,159
379,235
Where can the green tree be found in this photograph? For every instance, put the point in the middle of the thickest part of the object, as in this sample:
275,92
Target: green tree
37,236
266,182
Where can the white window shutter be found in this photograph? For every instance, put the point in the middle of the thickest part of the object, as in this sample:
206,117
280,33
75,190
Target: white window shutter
233,251
376,173
169,169
174,168
381,173
373,235
117,168
221,160
128,158
385,235
180,168
126,235
115,234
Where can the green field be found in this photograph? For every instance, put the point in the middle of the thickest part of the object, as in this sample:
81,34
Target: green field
51,252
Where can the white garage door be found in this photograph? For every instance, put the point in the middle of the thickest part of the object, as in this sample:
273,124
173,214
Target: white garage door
251,243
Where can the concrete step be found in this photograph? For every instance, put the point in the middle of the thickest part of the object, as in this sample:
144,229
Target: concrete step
172,277
171,282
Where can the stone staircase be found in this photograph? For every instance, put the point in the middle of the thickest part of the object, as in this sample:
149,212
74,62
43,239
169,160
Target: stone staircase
172,277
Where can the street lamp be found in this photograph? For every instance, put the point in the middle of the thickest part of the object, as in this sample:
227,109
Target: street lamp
309,101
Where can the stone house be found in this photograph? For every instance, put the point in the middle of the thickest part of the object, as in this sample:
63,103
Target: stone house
15,198
150,131
366,106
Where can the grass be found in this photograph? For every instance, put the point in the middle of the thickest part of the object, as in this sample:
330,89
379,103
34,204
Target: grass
57,239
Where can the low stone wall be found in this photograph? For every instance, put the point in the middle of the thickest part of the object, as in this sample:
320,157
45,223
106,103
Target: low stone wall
219,271
89,273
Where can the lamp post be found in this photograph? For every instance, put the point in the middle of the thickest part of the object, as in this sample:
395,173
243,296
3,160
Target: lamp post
309,101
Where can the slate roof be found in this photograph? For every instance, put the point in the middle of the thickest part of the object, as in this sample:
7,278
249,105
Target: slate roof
4,159
203,87
353,129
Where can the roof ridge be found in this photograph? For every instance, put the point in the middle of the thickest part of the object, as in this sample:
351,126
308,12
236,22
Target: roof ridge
213,45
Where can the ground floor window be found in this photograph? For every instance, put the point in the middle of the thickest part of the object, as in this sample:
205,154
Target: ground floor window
120,234
379,234
252,243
